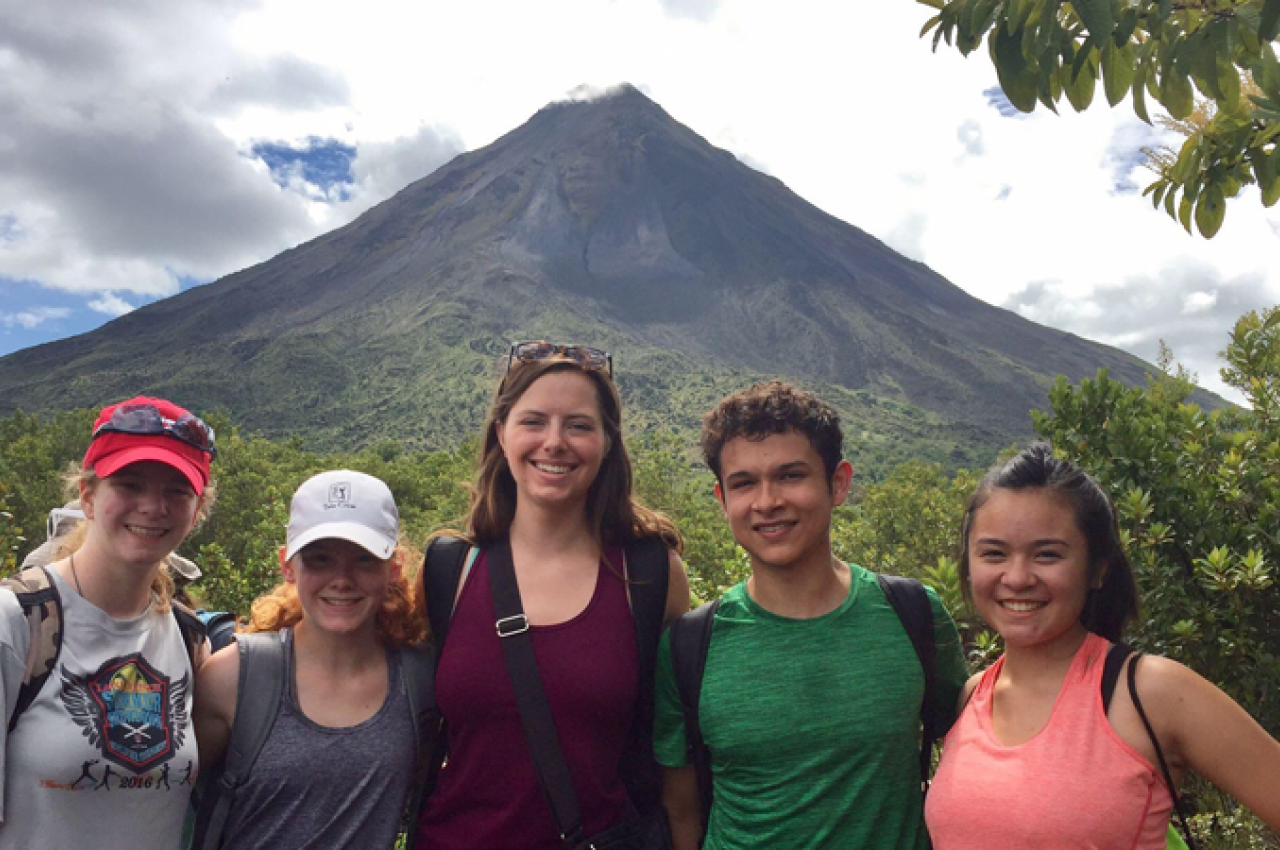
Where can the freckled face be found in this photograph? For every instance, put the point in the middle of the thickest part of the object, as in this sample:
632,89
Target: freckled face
777,499
1029,567
141,513
341,585
554,440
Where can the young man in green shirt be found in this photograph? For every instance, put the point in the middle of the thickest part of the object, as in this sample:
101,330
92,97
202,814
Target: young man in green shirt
810,701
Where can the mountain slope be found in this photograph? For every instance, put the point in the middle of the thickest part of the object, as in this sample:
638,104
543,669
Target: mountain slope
605,222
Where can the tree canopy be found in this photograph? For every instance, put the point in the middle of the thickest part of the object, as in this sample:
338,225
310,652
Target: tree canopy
1165,51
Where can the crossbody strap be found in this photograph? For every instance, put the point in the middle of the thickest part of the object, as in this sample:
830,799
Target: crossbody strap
910,602
531,700
690,642
1155,742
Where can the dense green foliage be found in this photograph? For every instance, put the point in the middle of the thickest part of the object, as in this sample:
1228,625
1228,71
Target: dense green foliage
1044,50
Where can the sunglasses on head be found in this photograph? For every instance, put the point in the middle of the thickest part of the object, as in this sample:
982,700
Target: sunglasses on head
584,355
145,420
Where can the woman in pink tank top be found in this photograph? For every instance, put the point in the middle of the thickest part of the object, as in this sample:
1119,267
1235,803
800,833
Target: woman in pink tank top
1035,760
554,481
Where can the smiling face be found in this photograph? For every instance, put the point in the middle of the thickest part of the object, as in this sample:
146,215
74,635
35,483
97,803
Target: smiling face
553,440
1029,568
778,501
341,585
141,513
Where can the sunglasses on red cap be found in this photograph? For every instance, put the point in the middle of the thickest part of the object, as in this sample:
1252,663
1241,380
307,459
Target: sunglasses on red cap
146,420
585,356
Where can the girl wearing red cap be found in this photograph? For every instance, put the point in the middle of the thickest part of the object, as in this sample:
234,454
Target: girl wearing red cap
99,744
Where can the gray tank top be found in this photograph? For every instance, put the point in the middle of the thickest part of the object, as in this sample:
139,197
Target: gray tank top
318,787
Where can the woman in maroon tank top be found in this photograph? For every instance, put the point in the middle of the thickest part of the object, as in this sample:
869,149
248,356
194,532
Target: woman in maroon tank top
554,480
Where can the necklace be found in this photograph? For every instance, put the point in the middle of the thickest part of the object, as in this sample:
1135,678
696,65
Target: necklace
75,575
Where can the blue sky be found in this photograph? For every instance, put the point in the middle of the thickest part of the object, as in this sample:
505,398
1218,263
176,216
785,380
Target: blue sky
247,127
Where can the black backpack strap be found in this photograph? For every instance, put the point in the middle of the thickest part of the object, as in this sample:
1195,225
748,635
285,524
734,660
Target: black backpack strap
192,629
42,605
1132,678
910,602
647,572
531,699
441,571
259,689
690,642
418,669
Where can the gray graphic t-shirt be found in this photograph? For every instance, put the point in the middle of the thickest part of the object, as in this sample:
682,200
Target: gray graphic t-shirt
106,755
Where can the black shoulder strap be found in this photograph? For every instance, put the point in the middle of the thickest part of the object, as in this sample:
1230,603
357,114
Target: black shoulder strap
418,667
531,699
910,602
259,689
1132,678
690,643
441,570
647,572
42,605
192,629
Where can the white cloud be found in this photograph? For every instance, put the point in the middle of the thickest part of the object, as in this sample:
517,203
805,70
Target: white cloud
33,317
1198,302
111,304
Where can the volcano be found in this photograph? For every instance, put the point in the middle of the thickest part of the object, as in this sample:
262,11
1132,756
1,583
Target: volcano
604,222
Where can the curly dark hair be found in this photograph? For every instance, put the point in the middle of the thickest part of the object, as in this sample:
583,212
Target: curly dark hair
768,408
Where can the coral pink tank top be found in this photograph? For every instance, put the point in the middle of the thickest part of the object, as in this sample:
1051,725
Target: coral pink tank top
1076,784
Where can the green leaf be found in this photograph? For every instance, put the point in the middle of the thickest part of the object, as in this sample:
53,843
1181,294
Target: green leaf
929,24
1185,210
1098,18
1186,166
1140,93
1169,201
1228,83
1204,67
1211,209
1125,25
1015,77
1080,90
1176,94
1269,27
1266,171
1117,72
936,4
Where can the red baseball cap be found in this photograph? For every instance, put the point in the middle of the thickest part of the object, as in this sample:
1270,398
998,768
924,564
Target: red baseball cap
112,450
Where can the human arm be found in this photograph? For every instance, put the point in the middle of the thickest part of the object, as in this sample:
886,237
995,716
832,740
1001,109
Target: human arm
1201,727
217,682
14,642
684,808
677,589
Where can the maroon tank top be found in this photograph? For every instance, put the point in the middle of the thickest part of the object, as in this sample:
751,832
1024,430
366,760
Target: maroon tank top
488,795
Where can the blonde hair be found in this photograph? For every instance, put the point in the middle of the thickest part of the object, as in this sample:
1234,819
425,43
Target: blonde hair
399,622
162,585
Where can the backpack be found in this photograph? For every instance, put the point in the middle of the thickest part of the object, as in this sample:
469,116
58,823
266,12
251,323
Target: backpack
691,639
42,606
259,689
449,560
220,626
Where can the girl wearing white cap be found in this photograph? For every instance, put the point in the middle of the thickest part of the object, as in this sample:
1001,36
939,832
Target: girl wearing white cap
339,760
95,665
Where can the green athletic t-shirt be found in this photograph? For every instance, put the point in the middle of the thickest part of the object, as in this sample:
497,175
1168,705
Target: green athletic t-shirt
813,725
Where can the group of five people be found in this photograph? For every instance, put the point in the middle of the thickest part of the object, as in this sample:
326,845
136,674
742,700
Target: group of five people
554,711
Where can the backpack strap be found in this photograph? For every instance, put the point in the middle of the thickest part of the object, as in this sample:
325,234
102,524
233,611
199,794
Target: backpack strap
418,667
259,689
42,605
1132,678
192,629
441,572
647,573
1111,672
690,642
910,602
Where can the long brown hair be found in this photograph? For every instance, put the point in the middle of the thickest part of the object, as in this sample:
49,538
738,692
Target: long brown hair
614,515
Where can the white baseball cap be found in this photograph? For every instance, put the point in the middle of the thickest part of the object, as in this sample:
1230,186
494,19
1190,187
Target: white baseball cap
345,505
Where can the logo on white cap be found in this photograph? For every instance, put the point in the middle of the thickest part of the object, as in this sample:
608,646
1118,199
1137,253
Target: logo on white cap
345,505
